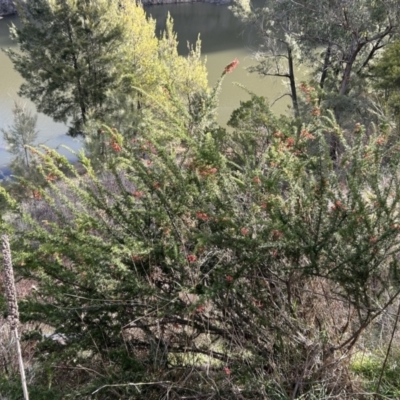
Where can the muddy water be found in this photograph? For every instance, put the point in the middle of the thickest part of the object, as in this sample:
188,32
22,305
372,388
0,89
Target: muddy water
223,40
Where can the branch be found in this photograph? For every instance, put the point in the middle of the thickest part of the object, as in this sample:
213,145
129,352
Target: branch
131,384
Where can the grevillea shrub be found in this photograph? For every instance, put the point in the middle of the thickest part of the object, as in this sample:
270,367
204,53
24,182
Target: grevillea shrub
215,264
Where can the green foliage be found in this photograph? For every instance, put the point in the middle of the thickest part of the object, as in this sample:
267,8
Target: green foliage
230,246
69,80
19,136
368,367
82,59
337,40
386,72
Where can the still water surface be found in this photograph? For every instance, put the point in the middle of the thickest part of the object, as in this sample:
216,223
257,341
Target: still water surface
223,39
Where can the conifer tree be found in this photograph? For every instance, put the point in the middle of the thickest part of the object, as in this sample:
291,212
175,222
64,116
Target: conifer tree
81,59
19,136
67,53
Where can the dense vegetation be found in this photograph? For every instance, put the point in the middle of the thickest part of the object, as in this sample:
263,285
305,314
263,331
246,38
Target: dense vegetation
178,259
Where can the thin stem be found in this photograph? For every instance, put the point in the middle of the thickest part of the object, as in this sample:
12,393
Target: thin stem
13,315
387,354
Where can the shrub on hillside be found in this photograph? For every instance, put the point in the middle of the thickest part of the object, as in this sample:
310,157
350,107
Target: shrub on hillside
241,264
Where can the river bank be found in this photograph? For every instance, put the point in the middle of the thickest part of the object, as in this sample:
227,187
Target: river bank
7,6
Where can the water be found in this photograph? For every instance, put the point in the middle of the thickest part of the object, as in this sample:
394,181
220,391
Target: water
223,39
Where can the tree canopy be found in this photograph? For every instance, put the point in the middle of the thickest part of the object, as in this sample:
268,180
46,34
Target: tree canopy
77,57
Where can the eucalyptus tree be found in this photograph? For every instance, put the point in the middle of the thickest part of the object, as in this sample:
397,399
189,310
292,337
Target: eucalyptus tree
349,32
386,78
278,51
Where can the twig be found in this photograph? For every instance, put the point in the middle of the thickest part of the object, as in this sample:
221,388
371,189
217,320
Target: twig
387,354
130,384
13,314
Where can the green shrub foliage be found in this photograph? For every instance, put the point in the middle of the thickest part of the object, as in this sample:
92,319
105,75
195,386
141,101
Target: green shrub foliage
212,264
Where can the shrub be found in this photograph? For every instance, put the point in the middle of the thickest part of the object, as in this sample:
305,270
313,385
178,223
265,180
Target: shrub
222,264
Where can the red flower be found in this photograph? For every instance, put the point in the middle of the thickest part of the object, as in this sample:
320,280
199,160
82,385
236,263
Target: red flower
337,206
244,231
231,66
138,194
227,371
276,235
51,177
207,171
257,180
191,258
307,135
229,278
202,216
257,303
290,143
115,146
37,195
200,308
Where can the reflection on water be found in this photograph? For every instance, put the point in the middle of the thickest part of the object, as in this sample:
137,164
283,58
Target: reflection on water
223,39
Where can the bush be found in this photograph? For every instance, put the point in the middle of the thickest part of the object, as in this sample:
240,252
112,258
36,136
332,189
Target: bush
214,264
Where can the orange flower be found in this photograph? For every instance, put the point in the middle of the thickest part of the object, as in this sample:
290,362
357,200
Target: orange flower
227,371
257,180
37,195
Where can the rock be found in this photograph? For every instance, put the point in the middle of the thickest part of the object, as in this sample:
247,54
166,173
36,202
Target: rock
7,7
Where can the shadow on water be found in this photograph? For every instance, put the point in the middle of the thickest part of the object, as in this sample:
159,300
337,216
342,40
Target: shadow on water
219,29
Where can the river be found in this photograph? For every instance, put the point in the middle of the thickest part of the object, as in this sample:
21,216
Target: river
223,39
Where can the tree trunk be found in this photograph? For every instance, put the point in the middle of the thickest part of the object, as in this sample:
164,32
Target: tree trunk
325,66
293,83
344,85
76,69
